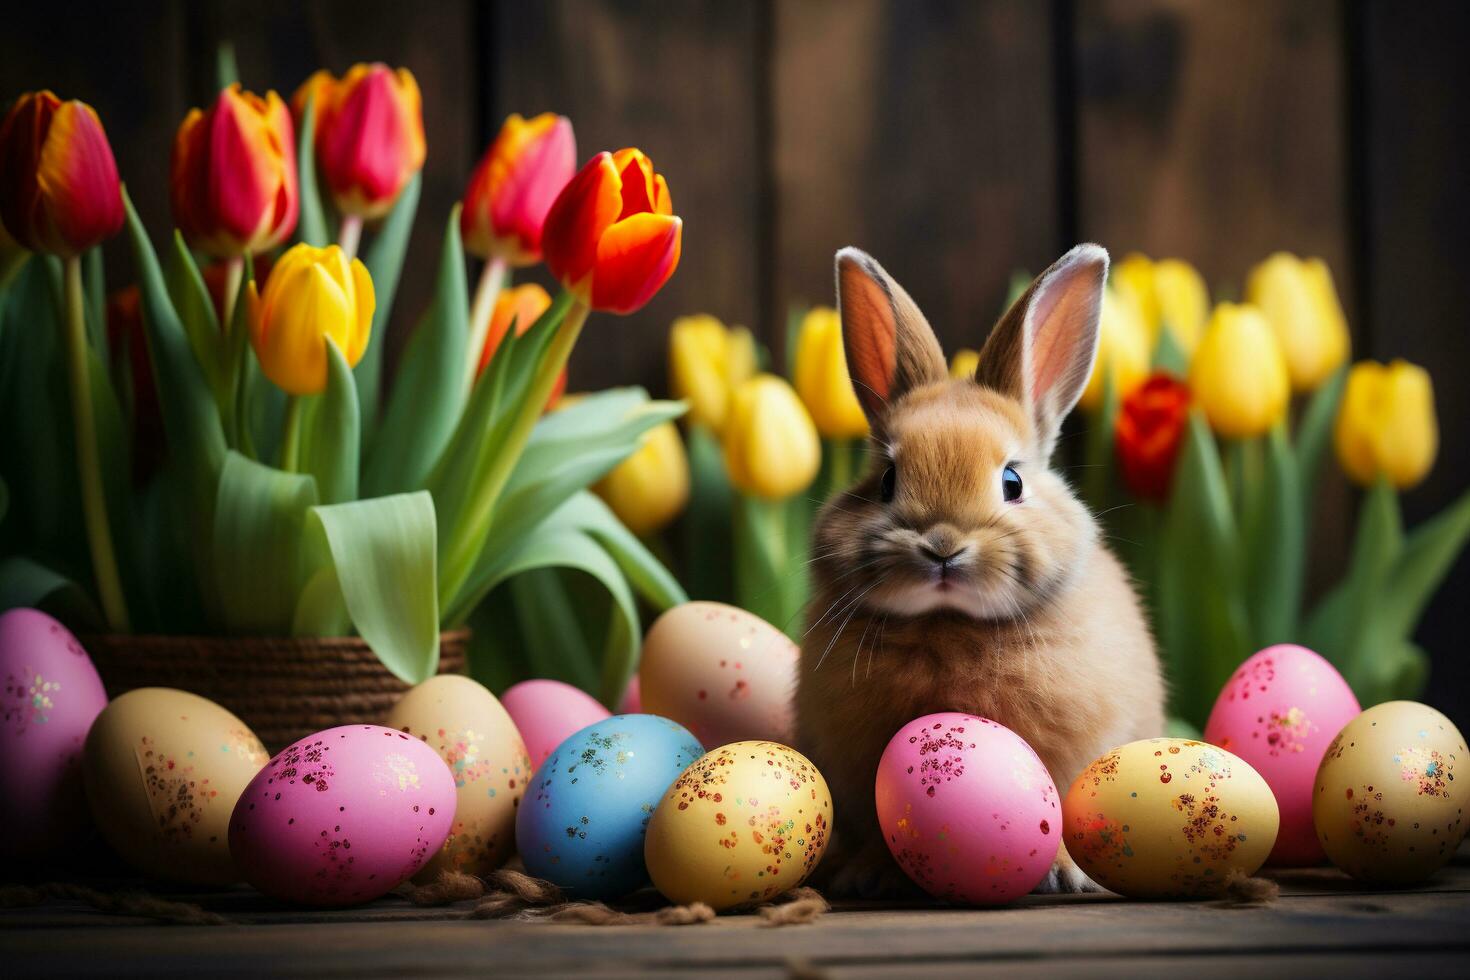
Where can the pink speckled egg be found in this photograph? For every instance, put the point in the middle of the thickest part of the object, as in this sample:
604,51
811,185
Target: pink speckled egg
342,816
547,712
51,696
1279,712
968,810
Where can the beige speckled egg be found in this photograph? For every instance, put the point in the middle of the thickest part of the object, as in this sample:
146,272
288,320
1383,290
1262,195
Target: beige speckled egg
721,672
745,823
474,735
1385,805
163,770
1168,818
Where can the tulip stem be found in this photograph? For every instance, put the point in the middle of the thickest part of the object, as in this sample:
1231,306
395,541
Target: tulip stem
89,462
487,291
234,275
349,235
291,435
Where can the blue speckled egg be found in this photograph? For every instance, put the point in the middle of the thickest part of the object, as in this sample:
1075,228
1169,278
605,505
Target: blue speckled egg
581,823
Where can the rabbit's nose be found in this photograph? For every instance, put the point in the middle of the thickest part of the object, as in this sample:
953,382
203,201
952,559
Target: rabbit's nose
937,556
941,546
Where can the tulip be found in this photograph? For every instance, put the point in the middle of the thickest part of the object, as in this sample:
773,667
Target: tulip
234,174
1122,351
521,305
964,363
1386,424
822,379
1169,293
770,441
312,294
649,488
1301,304
611,237
707,361
1150,430
369,135
514,185
59,191
1239,374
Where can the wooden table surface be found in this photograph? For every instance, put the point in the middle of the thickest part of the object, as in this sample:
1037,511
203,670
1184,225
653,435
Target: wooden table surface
1323,925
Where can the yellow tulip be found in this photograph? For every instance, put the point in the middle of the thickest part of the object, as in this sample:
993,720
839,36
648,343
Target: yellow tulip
771,445
706,362
1301,304
1386,425
649,488
1122,350
1167,293
822,380
1133,279
312,294
964,363
1239,374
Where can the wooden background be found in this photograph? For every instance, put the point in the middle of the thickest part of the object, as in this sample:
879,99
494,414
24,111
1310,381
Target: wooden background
956,140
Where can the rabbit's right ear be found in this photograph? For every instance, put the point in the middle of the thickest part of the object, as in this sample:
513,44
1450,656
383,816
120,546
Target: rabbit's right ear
890,346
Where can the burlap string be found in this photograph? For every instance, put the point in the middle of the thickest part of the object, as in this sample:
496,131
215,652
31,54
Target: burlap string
1243,891
119,903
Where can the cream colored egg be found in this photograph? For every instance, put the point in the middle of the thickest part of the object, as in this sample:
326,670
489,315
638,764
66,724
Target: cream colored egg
463,722
1169,818
1386,805
745,823
721,672
163,770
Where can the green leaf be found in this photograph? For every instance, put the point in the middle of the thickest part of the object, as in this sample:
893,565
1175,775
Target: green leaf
311,226
384,261
329,437
259,562
26,583
653,582
1314,432
1169,355
196,312
94,284
1275,545
1100,441
1428,553
226,72
383,553
551,623
706,526
1179,728
770,568
429,393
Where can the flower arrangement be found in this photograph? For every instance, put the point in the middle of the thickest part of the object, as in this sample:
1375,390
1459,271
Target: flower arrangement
290,495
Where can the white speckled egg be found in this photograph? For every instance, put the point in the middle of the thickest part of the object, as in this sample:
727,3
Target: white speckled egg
1386,806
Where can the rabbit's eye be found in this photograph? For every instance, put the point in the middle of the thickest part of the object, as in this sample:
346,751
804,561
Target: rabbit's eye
889,484
1010,483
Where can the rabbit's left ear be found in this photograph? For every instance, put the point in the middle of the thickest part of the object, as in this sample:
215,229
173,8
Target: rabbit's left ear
1042,350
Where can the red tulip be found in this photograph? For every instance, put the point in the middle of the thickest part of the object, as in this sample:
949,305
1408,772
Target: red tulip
1149,432
59,191
514,185
611,236
234,174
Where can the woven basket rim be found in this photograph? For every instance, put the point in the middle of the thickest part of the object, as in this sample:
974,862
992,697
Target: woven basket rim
456,636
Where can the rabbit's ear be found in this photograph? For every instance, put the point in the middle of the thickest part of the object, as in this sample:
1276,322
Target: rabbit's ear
1041,351
890,346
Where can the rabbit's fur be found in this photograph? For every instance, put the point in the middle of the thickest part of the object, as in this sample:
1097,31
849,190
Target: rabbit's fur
948,597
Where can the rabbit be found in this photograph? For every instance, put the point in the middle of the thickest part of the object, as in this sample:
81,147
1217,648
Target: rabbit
960,573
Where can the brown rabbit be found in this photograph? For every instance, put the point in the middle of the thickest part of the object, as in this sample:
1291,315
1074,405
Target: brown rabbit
961,574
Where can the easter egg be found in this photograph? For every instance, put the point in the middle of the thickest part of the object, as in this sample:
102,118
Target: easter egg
163,769
546,712
1278,712
582,821
721,672
968,809
1386,804
464,723
632,702
343,816
51,696
745,823
1168,818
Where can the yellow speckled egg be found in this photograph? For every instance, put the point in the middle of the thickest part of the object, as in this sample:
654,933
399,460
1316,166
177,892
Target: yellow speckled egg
747,822
474,735
1385,805
1169,818
163,770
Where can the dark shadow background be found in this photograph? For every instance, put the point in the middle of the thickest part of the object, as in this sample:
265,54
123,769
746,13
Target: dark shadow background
954,139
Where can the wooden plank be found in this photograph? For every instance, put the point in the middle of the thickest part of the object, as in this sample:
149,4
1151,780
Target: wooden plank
679,81
1417,205
921,133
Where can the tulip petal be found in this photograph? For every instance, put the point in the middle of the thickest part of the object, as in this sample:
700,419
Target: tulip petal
635,258
77,179
530,182
364,302
244,171
579,217
373,141
639,191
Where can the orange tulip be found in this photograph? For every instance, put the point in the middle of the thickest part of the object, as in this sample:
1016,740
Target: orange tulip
234,174
523,304
514,185
59,191
369,135
611,236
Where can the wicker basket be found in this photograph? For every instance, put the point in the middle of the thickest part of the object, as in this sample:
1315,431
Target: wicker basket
284,688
